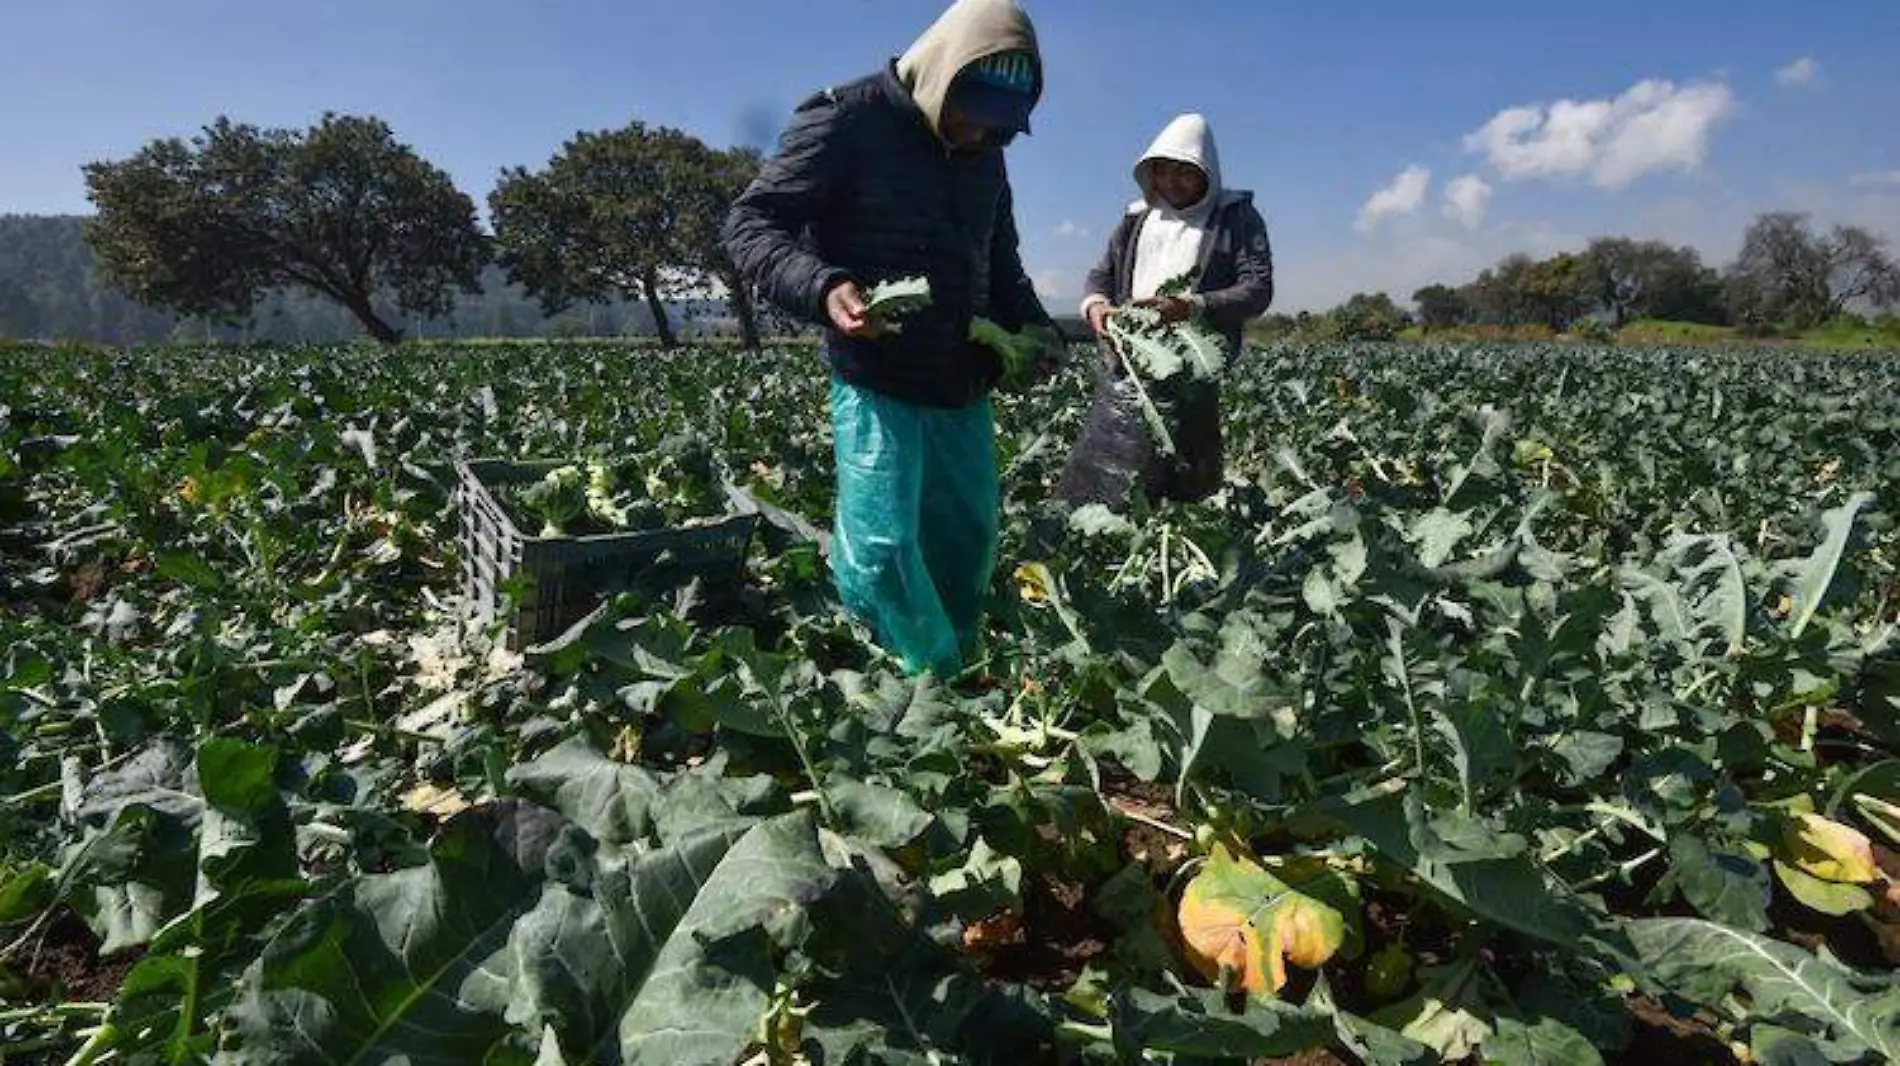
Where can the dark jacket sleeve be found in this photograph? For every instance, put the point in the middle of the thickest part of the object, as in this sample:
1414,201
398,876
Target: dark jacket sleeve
1012,291
1102,280
1252,291
764,228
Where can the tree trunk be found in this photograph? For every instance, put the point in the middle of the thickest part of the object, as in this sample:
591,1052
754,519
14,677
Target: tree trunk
384,333
650,281
740,298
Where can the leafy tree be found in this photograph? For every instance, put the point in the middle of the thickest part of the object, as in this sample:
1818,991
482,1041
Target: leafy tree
1789,275
1440,306
610,215
1630,279
1555,291
1497,296
18,316
707,186
341,209
1368,317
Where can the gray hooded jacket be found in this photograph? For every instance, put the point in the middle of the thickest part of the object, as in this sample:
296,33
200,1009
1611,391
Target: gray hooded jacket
1233,268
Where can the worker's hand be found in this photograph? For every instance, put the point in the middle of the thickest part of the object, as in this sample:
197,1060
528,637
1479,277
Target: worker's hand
1172,308
1098,313
845,304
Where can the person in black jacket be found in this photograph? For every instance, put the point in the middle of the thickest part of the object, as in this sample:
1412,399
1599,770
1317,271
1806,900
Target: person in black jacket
898,175
1187,224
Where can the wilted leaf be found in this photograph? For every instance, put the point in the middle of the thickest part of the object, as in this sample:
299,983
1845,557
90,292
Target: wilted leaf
1238,919
1829,850
1828,897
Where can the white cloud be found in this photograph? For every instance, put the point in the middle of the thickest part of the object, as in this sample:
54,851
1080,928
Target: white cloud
1466,200
1874,180
1404,196
1799,72
1069,228
1053,284
1409,255
1653,126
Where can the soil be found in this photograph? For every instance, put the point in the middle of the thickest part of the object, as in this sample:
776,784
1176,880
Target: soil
1665,1038
1847,937
64,964
1141,842
1068,936
1321,1057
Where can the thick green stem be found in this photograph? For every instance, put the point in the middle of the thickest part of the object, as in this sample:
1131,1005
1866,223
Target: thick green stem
784,716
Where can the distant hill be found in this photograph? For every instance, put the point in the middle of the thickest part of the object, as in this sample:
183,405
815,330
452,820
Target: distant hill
49,291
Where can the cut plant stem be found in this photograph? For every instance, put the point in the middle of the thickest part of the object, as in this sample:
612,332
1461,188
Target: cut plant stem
1153,823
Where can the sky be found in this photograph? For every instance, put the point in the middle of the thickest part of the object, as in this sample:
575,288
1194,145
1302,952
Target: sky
1389,144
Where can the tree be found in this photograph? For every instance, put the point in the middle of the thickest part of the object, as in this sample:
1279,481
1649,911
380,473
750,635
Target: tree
341,209
1497,296
1787,275
1555,292
1368,317
603,219
709,184
1440,306
18,316
1648,279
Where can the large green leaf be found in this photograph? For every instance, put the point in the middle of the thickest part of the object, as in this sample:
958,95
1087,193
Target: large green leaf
1538,1042
131,878
612,801
400,966
1812,577
878,814
1437,534
247,876
1723,886
1508,891
1200,1023
1706,963
665,957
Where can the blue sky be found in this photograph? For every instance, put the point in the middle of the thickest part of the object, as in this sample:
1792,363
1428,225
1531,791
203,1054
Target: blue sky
1352,120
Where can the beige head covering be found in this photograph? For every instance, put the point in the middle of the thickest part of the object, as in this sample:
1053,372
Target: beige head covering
968,31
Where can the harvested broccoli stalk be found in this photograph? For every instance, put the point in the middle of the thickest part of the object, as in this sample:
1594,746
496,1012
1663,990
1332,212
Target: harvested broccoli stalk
558,499
600,495
890,301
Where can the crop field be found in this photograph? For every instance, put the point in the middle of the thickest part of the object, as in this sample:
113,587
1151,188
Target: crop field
1513,704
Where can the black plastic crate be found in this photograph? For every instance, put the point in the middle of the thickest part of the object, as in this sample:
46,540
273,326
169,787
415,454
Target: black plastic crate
566,578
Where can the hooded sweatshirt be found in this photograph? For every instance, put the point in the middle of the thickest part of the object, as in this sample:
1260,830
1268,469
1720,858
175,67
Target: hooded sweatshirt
1222,240
863,188
967,31
1170,243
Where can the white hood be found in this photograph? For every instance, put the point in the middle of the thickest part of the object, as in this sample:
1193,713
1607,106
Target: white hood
1188,139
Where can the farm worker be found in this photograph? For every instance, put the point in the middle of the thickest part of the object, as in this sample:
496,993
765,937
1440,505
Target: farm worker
1187,222
893,176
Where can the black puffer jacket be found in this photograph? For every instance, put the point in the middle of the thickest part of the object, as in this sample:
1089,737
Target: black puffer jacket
862,188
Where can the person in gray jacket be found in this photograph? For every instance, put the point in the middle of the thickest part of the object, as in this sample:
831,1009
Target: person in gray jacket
1187,223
